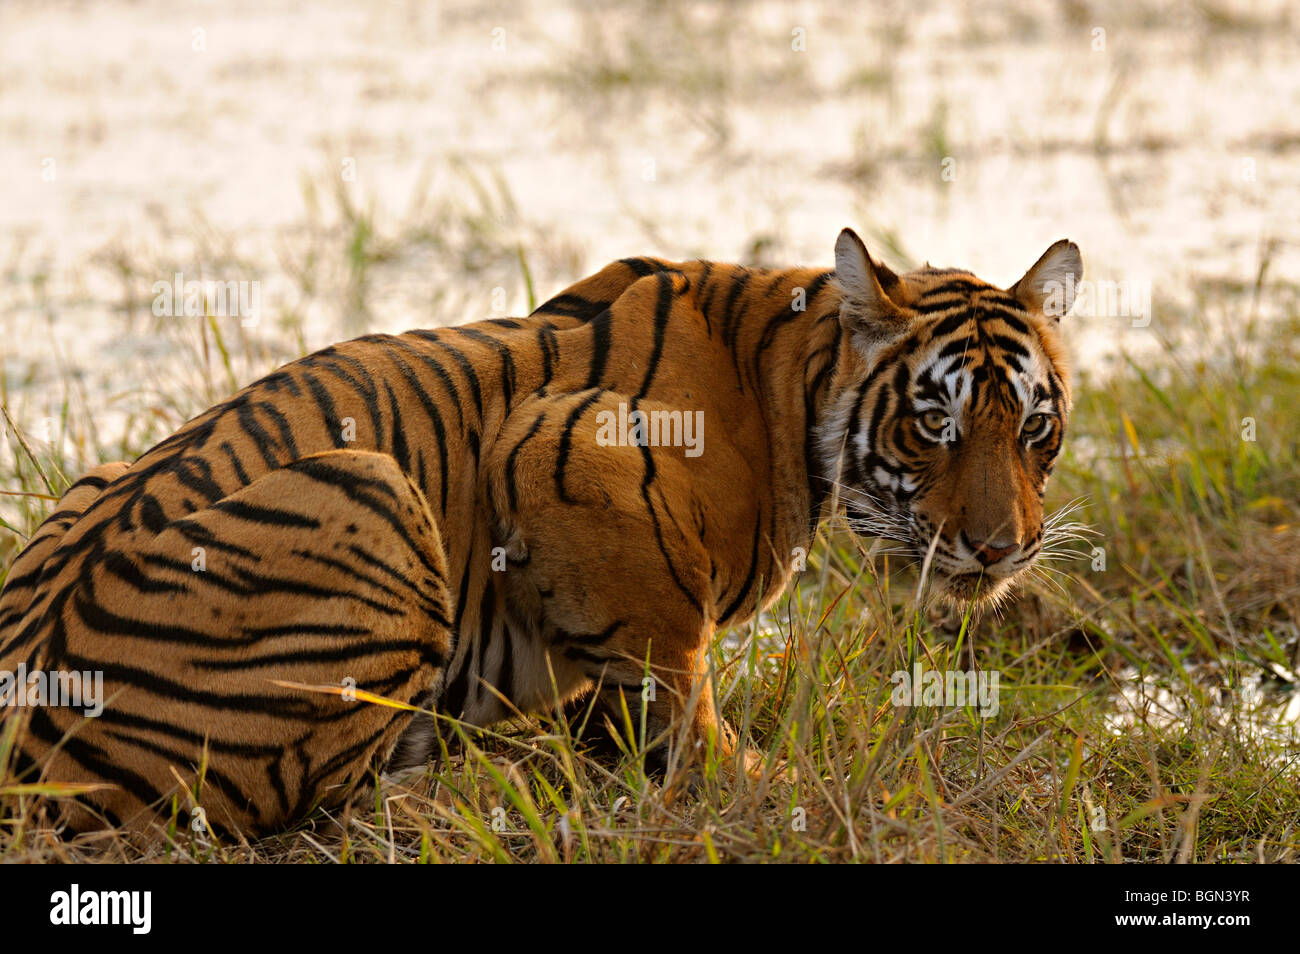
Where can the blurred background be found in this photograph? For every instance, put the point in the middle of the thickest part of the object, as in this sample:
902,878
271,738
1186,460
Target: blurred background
383,166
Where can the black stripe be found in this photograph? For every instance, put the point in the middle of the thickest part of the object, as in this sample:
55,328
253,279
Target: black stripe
325,404
749,580
646,482
601,332
90,480
273,516
92,758
235,464
260,437
512,489
120,566
432,607
1010,345
401,452
365,386
506,357
196,474
731,319
297,709
566,440
705,273
640,266
588,639
151,514
466,368
663,306
787,314
351,651
573,305
439,429
282,425
545,339
434,365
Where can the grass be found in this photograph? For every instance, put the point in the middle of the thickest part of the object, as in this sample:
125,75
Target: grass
1143,684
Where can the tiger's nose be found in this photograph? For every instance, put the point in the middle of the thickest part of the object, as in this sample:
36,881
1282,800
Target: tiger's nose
989,552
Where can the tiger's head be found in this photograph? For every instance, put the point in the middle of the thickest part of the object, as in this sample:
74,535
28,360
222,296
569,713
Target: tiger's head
950,407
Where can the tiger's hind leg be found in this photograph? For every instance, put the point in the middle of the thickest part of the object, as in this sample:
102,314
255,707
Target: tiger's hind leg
23,599
22,592
327,572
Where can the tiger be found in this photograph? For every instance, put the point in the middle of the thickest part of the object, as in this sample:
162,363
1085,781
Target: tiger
506,516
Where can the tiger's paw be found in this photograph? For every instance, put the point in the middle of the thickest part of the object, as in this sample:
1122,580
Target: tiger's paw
758,771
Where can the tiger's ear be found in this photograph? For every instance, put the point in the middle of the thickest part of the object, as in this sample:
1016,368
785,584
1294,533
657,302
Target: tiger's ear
870,292
1050,286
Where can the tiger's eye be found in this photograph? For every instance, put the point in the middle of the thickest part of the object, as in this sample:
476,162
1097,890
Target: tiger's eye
934,420
1035,425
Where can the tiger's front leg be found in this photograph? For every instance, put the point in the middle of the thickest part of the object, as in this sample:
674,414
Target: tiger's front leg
606,548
